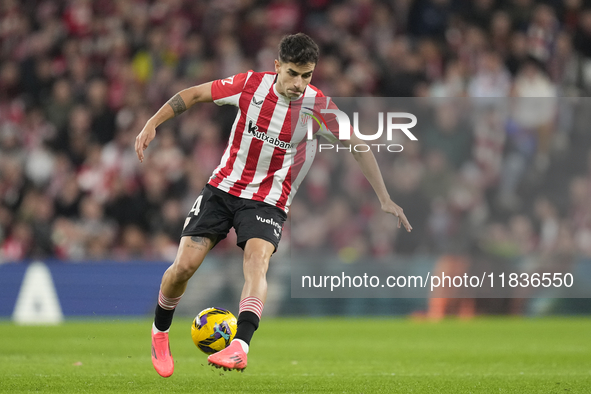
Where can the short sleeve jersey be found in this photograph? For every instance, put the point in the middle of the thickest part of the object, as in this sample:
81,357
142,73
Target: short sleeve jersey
268,153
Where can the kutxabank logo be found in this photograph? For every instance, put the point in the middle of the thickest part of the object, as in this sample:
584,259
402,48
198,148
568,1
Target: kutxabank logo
344,126
259,135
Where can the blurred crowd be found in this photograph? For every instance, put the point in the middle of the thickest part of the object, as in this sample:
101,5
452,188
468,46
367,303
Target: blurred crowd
480,180
79,79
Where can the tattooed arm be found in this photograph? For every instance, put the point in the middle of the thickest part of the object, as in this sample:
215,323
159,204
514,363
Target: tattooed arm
178,104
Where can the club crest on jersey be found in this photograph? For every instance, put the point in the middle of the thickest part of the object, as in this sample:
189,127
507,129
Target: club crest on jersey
304,117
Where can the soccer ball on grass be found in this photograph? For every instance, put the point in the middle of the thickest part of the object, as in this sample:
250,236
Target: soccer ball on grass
213,329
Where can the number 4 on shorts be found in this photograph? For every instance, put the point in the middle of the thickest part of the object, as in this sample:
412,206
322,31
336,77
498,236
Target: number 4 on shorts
196,206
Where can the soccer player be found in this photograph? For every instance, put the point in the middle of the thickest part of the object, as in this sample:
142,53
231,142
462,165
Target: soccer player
252,188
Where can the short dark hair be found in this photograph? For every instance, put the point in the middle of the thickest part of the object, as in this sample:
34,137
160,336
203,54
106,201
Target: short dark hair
298,49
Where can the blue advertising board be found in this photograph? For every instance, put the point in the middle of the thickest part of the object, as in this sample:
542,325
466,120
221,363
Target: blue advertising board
104,288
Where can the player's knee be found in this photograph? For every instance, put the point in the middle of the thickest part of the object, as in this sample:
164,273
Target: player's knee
183,270
256,262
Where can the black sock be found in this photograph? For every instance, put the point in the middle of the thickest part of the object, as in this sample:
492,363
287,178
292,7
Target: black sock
163,318
248,322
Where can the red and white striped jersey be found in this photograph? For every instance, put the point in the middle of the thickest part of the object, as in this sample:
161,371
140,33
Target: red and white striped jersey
268,155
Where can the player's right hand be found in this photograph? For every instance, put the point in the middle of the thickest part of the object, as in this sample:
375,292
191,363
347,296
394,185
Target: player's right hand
391,207
143,140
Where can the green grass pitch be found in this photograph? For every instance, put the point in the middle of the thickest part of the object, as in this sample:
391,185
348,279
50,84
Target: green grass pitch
358,355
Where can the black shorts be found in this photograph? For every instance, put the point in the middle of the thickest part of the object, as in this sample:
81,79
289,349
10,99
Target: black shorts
216,211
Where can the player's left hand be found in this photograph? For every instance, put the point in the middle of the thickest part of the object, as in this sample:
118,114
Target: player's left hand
394,209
